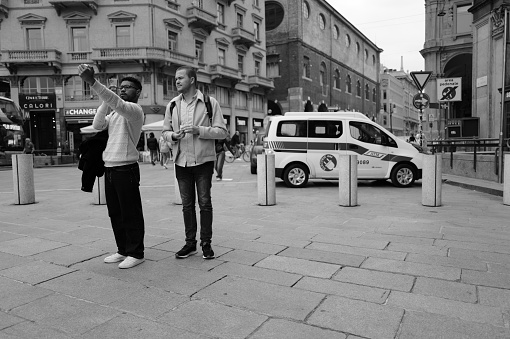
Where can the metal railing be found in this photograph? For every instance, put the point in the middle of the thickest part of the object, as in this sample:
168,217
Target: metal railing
467,145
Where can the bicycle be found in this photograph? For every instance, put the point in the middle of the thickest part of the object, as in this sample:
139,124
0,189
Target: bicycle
240,152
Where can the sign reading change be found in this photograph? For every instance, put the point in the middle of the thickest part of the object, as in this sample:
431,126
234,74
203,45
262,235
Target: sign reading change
449,89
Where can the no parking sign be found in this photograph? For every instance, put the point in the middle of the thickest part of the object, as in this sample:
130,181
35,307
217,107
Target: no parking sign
449,89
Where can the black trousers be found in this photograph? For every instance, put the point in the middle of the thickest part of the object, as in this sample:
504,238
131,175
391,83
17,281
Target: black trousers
122,189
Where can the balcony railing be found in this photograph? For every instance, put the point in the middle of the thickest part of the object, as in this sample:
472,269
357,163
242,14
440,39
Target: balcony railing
242,36
78,56
143,53
89,97
200,18
64,4
256,80
222,71
50,57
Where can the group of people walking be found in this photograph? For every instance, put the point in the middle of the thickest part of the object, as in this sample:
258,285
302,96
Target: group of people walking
160,150
193,122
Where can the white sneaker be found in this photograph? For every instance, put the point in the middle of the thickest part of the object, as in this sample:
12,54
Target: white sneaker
130,262
114,258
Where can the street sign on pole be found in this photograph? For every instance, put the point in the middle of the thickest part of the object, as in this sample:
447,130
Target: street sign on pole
449,89
421,78
421,101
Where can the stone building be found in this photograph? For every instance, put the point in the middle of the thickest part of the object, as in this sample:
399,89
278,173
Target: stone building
319,60
43,41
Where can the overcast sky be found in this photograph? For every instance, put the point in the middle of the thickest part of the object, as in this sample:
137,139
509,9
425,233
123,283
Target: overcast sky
396,26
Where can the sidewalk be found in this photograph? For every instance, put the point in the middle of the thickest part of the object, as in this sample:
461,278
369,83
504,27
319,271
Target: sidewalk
304,268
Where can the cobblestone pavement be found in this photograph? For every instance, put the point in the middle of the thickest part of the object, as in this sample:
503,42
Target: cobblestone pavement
304,268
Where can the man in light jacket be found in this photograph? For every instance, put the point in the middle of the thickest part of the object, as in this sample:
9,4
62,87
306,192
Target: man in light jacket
188,127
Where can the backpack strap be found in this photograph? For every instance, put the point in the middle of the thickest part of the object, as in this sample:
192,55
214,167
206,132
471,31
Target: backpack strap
208,107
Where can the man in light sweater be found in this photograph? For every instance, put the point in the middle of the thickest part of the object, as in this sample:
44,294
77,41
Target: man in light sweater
122,175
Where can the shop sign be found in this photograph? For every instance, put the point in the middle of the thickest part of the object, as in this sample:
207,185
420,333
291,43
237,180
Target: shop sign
241,122
257,123
80,111
12,127
37,101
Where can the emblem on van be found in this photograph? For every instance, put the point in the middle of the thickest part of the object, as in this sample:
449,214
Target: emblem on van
328,162
374,154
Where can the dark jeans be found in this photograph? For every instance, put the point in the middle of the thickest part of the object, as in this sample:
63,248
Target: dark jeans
218,164
122,189
200,177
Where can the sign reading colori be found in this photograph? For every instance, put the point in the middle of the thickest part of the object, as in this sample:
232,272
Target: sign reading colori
37,101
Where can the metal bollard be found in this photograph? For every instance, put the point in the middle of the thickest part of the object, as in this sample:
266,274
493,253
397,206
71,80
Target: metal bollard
23,179
432,180
99,191
348,180
506,180
177,199
266,179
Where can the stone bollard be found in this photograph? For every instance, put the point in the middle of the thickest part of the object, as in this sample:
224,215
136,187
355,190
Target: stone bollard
99,191
348,180
432,180
506,180
266,179
23,179
177,199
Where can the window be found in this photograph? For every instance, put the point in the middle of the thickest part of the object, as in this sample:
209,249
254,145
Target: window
221,56
322,21
306,10
358,88
172,4
366,55
34,38
31,2
324,129
373,60
80,39
240,19
367,92
384,95
122,36
223,96
370,134
306,67
34,85
292,129
198,3
463,19
256,30
347,40
220,9
199,50
240,63
241,99
337,79
323,78
357,48
256,3
257,67
76,89
273,69
374,95
172,41
336,32
348,84
169,88
258,102
274,15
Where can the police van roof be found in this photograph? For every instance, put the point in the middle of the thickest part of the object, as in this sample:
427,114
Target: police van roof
347,114
6,99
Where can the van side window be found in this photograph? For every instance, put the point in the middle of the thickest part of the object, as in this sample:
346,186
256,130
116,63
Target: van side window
291,129
370,134
324,129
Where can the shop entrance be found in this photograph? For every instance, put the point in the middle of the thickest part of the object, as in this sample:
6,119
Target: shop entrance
43,131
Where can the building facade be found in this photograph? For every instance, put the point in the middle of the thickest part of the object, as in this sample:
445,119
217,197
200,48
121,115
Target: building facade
398,113
319,60
43,41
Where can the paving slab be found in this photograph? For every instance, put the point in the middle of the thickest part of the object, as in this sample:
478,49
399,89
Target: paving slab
465,311
354,242
70,255
323,256
496,297
28,246
418,248
489,257
252,246
299,266
242,257
495,248
419,325
257,273
486,279
397,239
10,260
264,298
284,241
366,252
35,272
445,289
286,329
411,268
14,293
357,317
384,280
471,263
8,320
213,319
29,330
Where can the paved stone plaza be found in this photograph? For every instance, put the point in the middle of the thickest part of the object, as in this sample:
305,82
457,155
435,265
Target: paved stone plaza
304,268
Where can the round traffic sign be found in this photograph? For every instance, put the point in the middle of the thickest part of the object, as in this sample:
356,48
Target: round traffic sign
421,101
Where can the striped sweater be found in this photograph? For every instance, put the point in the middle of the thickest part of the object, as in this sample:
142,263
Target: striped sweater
124,125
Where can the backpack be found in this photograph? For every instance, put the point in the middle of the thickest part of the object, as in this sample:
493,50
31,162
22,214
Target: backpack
208,107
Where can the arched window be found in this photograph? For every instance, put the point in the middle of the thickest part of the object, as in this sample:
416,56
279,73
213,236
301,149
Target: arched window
323,77
306,10
374,95
367,92
322,21
348,84
337,79
358,88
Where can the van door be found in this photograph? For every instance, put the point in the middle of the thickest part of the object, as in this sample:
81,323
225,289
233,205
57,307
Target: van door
370,144
324,137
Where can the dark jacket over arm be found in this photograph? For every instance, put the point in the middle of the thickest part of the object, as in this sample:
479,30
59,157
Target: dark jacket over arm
91,160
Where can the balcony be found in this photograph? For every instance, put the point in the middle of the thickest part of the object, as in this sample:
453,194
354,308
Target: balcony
74,4
258,81
141,55
199,18
4,7
223,72
40,57
240,36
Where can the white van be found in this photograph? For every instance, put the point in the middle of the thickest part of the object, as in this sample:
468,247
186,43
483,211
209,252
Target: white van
307,145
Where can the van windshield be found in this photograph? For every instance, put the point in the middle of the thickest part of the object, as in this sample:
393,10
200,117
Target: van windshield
370,134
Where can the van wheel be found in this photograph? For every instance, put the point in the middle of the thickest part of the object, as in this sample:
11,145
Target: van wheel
403,175
295,176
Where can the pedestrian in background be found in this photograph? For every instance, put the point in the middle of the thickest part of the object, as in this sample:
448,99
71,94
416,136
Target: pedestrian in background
122,173
192,130
221,146
29,146
153,146
164,151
